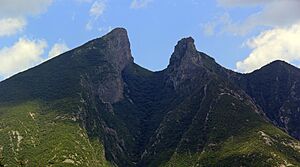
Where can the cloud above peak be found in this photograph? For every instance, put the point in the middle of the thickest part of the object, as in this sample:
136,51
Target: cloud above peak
279,39
138,4
97,9
276,13
270,14
271,45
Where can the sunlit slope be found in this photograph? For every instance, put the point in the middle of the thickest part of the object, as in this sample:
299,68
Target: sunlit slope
34,134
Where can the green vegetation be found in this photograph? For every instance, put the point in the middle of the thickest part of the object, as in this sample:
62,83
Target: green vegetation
254,148
237,137
92,105
31,135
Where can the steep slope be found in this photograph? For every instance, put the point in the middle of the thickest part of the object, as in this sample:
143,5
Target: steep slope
276,89
93,106
50,94
211,122
34,135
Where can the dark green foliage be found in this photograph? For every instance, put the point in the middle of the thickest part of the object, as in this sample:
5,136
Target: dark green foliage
276,89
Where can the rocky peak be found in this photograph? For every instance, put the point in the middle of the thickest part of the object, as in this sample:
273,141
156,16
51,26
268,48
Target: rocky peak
110,54
278,68
186,63
282,64
114,47
118,35
277,64
186,59
119,46
185,52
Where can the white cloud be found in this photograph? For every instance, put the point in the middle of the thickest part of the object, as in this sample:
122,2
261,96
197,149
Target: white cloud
13,14
16,8
97,9
138,4
280,39
89,25
270,45
209,28
220,24
235,3
273,13
22,55
26,53
57,49
11,26
84,1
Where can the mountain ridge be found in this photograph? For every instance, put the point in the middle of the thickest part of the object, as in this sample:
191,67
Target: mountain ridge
192,113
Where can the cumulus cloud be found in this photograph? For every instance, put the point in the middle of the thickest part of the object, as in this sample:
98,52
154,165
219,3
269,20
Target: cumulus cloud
14,12
22,55
57,49
97,9
26,53
270,45
279,40
273,13
11,26
138,4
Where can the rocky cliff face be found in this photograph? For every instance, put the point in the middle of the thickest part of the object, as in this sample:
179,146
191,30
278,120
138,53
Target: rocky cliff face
114,50
193,113
185,63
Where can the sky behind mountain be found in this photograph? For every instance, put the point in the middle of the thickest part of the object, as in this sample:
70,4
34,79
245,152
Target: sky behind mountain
242,35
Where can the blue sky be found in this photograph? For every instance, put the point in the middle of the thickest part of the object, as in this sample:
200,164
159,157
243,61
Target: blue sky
242,35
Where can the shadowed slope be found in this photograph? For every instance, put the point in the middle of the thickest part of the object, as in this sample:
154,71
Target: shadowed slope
276,89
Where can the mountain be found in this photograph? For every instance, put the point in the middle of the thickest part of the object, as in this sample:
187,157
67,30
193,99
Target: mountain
276,89
93,106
